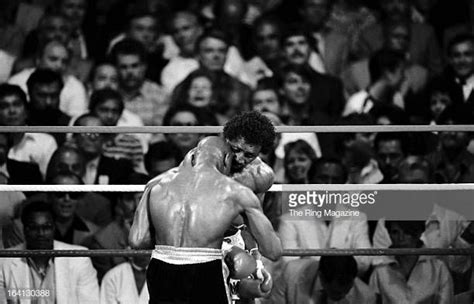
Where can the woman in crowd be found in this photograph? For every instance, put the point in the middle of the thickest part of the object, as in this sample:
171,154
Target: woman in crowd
198,91
298,163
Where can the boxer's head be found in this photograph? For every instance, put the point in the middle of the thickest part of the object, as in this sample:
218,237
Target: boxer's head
214,151
248,134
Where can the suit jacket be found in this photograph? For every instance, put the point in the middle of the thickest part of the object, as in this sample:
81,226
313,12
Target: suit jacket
23,173
112,171
299,284
75,278
448,81
424,49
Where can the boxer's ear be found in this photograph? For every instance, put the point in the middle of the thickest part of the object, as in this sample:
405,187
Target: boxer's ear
228,161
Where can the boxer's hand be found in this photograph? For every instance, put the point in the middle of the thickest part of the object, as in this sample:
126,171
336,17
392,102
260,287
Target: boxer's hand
240,263
255,288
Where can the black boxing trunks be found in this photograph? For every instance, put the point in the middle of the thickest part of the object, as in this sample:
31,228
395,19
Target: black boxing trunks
186,276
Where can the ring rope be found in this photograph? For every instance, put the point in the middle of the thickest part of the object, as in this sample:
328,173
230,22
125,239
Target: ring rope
218,129
274,188
286,252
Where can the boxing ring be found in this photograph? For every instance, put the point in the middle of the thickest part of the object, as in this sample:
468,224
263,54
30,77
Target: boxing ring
274,188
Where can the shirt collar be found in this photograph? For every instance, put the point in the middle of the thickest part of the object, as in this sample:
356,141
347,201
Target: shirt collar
41,272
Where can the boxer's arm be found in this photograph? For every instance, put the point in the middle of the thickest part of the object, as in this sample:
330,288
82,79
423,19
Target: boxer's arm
140,232
260,227
258,176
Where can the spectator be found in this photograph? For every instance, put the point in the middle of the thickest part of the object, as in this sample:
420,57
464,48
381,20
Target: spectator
266,38
424,49
44,89
397,37
182,116
329,171
55,56
141,96
35,148
108,105
92,207
443,227
232,95
390,149
115,234
331,45
335,233
265,97
198,91
143,27
357,152
75,11
144,23
104,76
452,163
297,109
117,284
69,226
397,277
326,91
51,26
333,279
439,100
186,30
67,279
11,201
298,162
458,76
160,158
15,172
386,69
99,168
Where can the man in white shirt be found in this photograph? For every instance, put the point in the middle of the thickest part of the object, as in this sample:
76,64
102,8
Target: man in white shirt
141,96
55,56
185,29
34,148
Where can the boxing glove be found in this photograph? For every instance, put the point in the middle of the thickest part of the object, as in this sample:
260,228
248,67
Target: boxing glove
240,263
255,288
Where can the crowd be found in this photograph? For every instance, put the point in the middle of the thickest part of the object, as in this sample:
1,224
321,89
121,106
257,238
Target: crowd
195,63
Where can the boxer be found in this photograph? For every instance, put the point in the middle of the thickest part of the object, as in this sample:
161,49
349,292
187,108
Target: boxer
185,214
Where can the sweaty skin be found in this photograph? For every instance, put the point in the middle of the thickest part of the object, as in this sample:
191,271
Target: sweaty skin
194,204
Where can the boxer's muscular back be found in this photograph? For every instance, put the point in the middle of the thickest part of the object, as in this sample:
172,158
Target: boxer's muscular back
194,207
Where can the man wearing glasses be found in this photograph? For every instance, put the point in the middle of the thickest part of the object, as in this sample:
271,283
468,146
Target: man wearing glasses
99,168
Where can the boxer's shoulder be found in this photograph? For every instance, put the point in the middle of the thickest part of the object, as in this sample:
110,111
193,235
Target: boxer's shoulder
261,175
162,178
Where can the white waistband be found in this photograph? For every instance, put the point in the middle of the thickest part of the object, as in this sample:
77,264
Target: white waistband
185,255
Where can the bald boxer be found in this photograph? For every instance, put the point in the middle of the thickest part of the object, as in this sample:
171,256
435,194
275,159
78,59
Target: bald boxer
185,213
